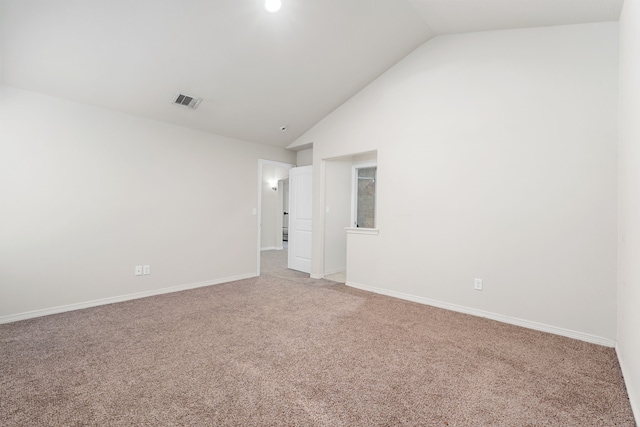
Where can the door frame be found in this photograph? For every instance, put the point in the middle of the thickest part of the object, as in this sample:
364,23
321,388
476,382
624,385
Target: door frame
261,163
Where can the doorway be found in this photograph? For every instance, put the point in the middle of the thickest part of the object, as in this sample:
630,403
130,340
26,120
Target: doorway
272,205
349,202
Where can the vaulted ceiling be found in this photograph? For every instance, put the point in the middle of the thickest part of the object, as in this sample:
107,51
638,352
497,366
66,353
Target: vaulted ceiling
256,71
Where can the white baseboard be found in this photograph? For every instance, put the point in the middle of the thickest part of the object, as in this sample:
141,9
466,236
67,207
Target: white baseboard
330,272
633,396
271,248
78,306
325,274
489,315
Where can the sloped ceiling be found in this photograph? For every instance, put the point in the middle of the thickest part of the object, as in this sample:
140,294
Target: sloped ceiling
256,71
465,16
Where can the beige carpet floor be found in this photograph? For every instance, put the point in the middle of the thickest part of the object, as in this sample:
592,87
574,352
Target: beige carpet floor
286,350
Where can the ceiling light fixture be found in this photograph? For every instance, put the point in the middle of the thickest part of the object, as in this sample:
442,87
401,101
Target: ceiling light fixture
272,5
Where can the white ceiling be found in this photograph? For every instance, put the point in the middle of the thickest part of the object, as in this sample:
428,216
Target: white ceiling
255,70
465,16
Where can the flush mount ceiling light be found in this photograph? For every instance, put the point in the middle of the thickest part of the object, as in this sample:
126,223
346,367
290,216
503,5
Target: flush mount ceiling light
272,5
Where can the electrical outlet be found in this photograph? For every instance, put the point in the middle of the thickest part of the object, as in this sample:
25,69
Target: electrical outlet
477,284
146,269
138,270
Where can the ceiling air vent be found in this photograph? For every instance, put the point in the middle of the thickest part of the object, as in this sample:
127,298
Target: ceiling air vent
186,100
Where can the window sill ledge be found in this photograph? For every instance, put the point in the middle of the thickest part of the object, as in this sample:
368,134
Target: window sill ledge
359,230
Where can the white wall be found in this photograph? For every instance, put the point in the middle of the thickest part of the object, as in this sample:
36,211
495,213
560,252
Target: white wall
496,160
86,194
338,200
629,235
270,209
304,157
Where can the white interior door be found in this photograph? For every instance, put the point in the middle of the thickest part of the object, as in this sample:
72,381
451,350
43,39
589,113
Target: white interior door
300,209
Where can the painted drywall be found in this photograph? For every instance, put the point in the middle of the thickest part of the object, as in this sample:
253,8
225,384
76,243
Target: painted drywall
497,159
338,202
629,203
304,157
270,210
86,194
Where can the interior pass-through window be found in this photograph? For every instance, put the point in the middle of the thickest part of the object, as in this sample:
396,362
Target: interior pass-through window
364,196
